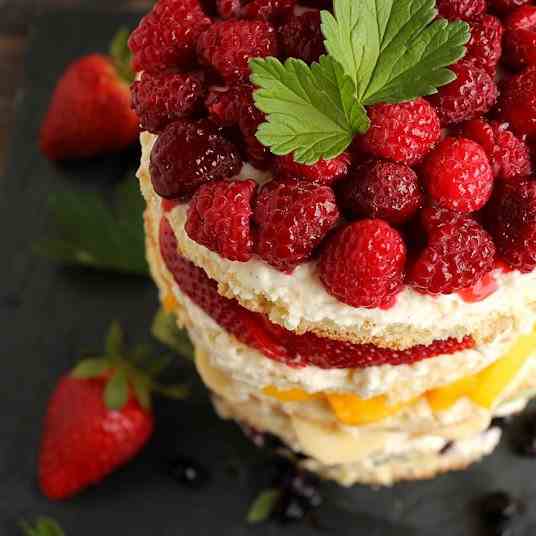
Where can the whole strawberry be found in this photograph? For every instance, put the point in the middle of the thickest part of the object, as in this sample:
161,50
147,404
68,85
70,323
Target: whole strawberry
98,418
90,112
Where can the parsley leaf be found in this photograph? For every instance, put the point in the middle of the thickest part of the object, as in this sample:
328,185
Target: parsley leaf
311,110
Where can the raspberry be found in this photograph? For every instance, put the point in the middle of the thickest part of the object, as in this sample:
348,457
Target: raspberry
520,37
402,132
219,218
433,218
271,10
301,37
458,255
508,156
505,6
517,103
161,98
229,45
224,104
381,189
167,36
461,9
458,176
363,264
484,49
292,218
324,172
511,219
186,155
472,93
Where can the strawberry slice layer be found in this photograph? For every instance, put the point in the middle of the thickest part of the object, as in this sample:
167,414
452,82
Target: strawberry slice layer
274,341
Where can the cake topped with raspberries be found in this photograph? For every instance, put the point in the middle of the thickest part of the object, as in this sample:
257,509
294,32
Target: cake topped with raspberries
341,209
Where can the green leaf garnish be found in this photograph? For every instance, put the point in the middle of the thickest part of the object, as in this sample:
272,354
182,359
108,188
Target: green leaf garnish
44,526
121,55
389,51
91,235
263,506
165,329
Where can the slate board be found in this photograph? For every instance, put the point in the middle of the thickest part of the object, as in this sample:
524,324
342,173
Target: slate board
48,315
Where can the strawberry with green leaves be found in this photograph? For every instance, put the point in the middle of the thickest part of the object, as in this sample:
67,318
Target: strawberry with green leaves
90,112
99,417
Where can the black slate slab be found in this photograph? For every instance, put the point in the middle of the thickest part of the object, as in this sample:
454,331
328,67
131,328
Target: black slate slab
49,315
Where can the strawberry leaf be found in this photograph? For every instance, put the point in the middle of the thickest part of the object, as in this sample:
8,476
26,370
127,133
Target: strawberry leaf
121,55
263,506
142,390
165,329
44,526
116,391
90,368
115,341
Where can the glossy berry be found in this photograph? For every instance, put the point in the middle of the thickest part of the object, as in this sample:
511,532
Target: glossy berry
457,175
161,98
324,172
271,10
505,6
508,156
292,217
363,264
403,132
457,256
511,219
520,37
167,36
187,155
219,218
433,218
517,103
227,46
472,93
300,37
485,46
461,9
188,473
381,189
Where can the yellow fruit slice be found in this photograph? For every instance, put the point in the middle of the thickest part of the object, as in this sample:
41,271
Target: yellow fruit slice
290,395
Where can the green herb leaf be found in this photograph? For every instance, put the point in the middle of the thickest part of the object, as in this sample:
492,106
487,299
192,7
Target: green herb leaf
122,56
311,110
116,391
44,526
165,329
115,340
90,235
263,506
90,368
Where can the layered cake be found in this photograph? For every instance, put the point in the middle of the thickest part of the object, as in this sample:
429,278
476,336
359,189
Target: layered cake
371,302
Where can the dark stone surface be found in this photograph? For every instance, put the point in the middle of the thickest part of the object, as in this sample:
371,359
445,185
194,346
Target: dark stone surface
49,315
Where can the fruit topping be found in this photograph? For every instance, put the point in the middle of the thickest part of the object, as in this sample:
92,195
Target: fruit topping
520,37
461,9
300,37
485,48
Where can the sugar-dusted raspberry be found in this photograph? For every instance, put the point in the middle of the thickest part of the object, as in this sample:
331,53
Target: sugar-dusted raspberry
511,219
485,47
292,217
517,103
324,172
520,37
381,189
161,98
508,156
186,155
219,218
167,36
363,264
403,132
505,6
458,255
301,37
472,93
433,218
228,45
461,9
457,175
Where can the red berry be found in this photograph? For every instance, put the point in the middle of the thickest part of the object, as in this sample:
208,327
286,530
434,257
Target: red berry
229,8
484,49
186,155
227,46
224,104
458,255
461,9
167,36
433,218
520,37
508,156
301,37
272,10
292,218
161,98
324,172
381,189
472,93
363,264
517,103
458,176
219,218
505,6
511,219
403,132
